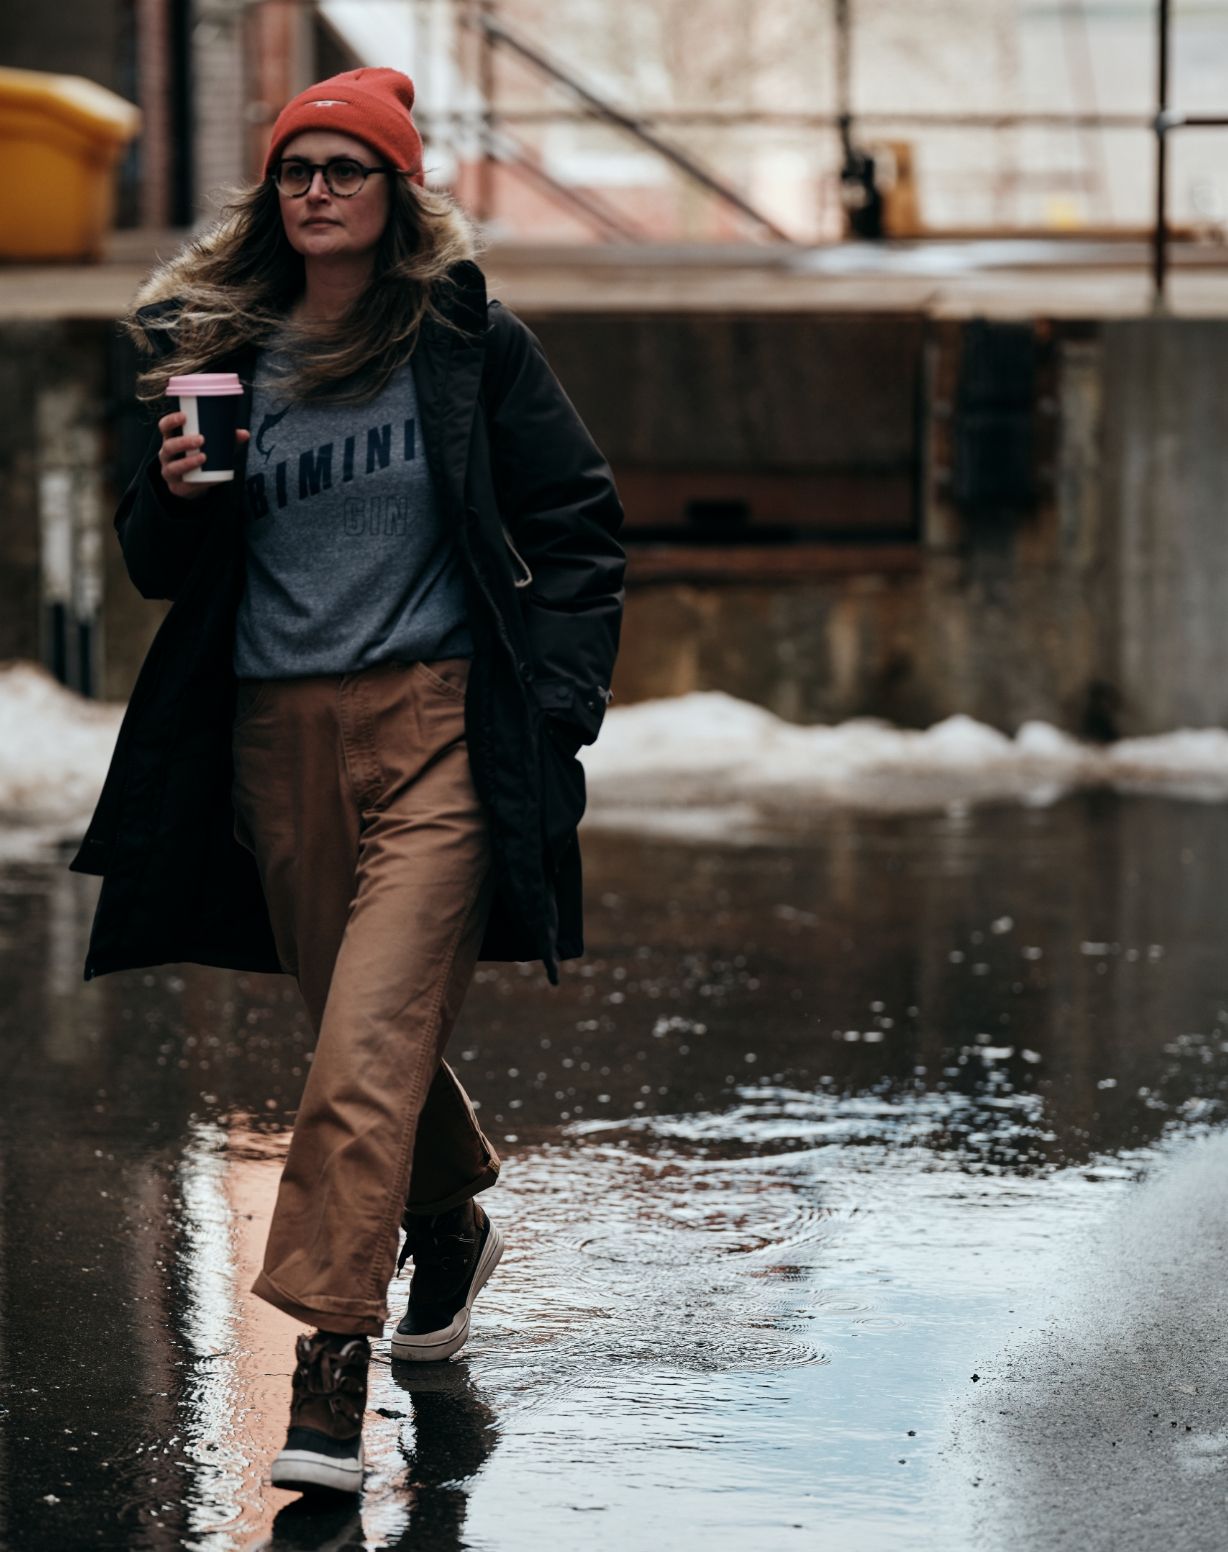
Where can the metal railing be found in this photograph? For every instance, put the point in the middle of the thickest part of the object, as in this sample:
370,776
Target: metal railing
480,16
1165,121
498,141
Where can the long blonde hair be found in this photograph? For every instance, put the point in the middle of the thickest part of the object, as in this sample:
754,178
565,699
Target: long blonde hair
234,284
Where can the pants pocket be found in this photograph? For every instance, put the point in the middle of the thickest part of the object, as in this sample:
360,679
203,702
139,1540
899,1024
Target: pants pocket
448,675
251,695
564,796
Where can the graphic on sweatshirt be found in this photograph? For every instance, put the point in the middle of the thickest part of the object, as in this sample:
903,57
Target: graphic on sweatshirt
349,558
269,423
326,469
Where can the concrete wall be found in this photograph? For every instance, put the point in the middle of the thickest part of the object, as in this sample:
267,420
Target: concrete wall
1096,605
19,525
65,597
1165,470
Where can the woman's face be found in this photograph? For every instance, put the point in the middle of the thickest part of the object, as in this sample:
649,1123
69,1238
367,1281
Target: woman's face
319,224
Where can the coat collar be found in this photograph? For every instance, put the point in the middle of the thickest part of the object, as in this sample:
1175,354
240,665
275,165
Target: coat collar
447,369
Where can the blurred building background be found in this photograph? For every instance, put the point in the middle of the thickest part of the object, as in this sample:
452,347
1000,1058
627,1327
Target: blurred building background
864,303
997,114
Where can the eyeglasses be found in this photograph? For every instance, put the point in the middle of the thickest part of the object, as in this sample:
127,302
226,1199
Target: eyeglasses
343,175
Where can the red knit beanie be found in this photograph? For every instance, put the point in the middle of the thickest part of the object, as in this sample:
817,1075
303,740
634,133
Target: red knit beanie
372,104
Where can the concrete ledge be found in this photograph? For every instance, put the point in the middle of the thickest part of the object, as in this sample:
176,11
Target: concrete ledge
1003,278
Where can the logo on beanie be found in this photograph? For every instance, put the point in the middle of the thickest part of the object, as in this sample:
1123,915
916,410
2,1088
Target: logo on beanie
328,102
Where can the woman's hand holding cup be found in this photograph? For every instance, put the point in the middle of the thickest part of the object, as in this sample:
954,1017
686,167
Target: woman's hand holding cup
179,454
209,406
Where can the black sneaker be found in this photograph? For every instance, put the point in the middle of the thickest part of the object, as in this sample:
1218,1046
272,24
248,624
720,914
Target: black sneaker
454,1253
324,1446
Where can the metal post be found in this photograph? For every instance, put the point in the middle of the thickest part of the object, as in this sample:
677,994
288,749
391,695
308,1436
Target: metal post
182,82
843,59
1159,263
486,79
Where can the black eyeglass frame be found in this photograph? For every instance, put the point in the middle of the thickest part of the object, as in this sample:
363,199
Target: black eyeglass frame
315,167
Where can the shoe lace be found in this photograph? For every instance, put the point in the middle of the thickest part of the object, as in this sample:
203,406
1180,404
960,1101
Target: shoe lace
432,1244
336,1375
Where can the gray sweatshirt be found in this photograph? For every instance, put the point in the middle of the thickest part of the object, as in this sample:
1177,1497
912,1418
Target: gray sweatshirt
348,561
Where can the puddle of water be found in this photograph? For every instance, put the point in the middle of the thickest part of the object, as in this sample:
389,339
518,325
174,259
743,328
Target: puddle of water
813,1133
732,1344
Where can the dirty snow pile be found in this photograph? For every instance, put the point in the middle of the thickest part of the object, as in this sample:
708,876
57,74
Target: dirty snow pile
54,749
710,748
706,751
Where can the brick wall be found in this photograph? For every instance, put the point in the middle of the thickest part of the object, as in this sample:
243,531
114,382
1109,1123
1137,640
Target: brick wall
153,81
220,95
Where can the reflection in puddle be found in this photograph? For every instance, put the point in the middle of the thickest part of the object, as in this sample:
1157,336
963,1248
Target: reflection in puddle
706,1321
213,1394
813,1130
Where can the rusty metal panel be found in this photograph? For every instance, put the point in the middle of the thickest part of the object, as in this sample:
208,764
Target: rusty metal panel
768,563
752,427
763,391
705,506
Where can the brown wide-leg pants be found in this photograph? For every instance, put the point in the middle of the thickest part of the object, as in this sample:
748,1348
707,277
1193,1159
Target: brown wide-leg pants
354,794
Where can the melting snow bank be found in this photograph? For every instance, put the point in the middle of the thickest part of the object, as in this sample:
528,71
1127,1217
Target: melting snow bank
54,750
694,764
709,752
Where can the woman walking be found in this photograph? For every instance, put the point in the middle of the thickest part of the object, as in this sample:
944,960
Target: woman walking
350,753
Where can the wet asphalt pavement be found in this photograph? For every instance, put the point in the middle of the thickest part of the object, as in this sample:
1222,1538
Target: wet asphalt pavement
864,1183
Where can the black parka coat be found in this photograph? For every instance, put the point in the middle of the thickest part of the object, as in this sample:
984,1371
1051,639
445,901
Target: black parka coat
536,514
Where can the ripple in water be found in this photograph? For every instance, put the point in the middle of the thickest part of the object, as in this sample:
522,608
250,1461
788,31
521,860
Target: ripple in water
617,1258
714,1242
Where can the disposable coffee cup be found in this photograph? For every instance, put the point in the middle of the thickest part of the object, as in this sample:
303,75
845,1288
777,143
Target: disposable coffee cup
211,402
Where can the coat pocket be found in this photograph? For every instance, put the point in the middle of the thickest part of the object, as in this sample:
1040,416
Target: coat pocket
564,795
521,581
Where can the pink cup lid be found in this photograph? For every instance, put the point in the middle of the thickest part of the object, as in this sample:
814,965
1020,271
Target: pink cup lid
204,385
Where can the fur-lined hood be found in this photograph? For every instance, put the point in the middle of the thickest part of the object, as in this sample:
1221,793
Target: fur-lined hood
166,281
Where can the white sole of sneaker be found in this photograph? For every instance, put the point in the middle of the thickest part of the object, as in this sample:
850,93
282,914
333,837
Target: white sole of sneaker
433,1346
302,1470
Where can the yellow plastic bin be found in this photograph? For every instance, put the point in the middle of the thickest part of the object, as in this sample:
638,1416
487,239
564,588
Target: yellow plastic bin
61,138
